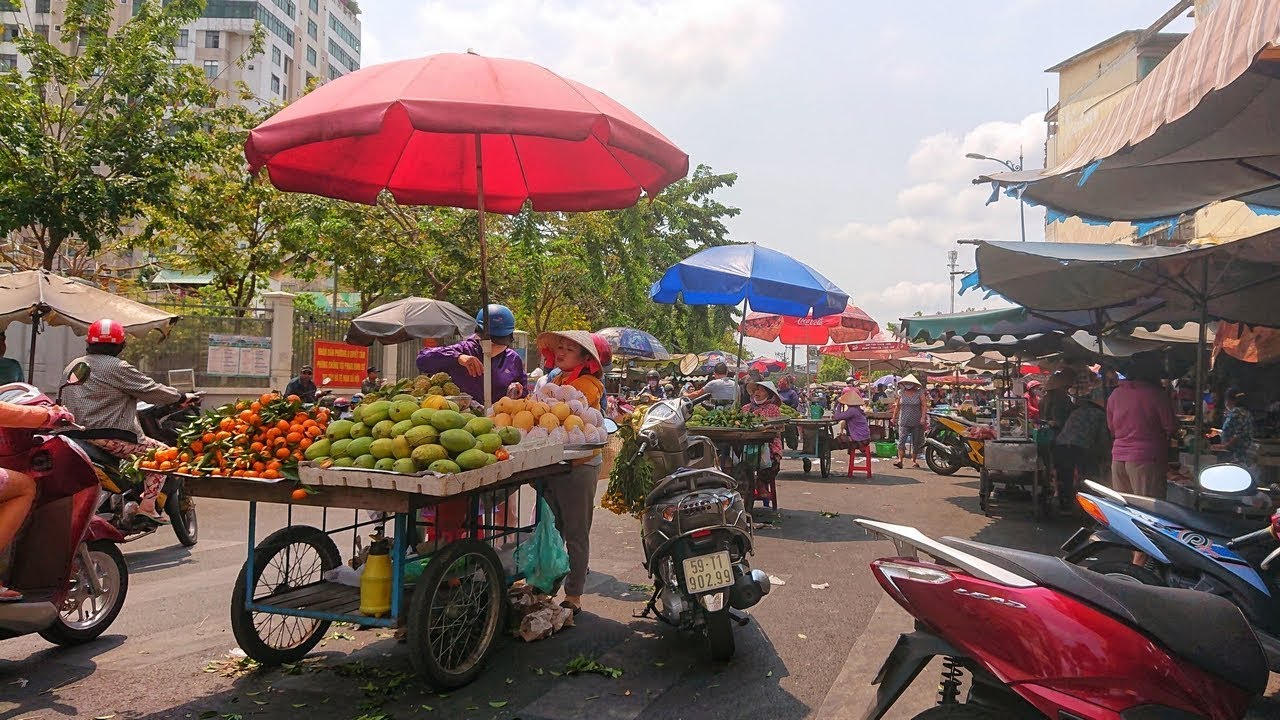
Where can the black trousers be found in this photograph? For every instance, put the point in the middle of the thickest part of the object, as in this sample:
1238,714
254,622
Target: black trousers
1070,461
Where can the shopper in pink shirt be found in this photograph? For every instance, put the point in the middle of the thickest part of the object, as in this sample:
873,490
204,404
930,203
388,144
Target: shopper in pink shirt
1140,418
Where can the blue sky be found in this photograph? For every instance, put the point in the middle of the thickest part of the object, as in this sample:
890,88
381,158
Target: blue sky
847,122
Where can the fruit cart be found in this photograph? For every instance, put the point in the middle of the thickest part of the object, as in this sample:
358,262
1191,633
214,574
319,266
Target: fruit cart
446,535
816,442
745,443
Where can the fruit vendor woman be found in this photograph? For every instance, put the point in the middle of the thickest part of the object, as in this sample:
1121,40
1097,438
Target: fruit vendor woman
462,363
579,357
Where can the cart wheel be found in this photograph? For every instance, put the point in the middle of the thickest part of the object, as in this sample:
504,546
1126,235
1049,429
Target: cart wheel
808,465
457,612
287,559
984,491
825,465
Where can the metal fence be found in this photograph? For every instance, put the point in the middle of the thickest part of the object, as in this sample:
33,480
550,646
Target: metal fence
307,329
188,346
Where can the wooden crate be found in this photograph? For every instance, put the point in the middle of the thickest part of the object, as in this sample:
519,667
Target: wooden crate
524,456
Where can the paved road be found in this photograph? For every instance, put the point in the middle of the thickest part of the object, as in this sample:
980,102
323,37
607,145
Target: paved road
810,653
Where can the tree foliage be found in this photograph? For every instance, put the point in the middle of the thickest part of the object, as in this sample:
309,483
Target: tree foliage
833,369
91,136
223,221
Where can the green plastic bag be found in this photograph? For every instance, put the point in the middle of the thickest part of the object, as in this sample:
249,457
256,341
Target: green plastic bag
543,559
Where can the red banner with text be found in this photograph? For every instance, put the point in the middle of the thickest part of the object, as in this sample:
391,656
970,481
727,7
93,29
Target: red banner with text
345,365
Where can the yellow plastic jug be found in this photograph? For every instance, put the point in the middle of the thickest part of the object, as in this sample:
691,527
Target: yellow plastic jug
375,580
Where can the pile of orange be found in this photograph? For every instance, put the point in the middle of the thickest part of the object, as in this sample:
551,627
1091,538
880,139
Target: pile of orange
263,438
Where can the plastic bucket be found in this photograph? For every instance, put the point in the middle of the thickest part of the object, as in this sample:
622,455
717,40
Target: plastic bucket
815,411
886,449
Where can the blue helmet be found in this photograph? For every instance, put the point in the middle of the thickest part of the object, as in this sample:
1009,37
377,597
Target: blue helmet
502,322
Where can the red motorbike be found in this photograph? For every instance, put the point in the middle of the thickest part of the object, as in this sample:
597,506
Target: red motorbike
1041,638
66,563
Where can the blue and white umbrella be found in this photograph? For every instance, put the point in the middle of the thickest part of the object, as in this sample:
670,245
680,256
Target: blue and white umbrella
634,344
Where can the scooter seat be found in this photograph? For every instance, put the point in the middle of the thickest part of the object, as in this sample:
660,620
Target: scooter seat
1223,526
97,455
1205,630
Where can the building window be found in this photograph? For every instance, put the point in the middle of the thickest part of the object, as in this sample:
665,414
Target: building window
313,30
82,39
212,39
284,91
43,31
8,61
352,41
275,84
311,56
211,69
334,72
8,6
287,6
42,6
288,66
10,33
314,5
241,9
337,53
184,38
275,55
273,23
1147,64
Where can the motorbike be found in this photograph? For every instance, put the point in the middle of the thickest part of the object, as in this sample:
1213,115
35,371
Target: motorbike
66,562
1041,638
947,447
696,533
120,494
1219,555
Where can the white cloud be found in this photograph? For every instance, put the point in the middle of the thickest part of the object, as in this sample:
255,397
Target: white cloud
899,264
634,49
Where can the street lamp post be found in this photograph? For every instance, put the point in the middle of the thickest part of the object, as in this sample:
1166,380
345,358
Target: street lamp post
953,258
1022,207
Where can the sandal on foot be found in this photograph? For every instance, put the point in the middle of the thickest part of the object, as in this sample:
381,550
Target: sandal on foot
568,605
897,464
9,595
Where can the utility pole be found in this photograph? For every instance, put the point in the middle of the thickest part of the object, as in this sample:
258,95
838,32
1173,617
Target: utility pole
952,258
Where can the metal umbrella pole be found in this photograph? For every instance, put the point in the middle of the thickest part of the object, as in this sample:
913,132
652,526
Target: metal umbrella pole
486,343
1203,302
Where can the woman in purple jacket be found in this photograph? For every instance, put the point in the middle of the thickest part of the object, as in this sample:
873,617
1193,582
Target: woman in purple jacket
849,409
462,363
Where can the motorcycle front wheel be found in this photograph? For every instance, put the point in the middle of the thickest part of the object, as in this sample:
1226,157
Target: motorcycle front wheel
83,615
181,508
940,462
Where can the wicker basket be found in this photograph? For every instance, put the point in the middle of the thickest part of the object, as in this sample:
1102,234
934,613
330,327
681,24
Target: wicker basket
610,455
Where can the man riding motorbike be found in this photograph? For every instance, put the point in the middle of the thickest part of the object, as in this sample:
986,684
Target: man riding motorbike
107,404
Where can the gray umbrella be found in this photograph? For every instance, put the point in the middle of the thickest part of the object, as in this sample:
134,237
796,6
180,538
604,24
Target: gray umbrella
408,319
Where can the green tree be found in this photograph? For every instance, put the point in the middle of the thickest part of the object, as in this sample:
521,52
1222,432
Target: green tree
224,221
90,137
833,369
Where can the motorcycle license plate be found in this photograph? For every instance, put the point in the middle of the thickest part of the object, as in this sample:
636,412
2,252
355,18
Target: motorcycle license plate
708,572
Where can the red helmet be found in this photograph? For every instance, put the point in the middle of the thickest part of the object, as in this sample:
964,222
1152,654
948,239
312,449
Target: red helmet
106,332
602,349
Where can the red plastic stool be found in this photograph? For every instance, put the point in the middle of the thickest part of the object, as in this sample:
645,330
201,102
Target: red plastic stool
864,466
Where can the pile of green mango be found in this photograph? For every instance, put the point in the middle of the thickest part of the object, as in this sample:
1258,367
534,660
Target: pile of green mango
402,436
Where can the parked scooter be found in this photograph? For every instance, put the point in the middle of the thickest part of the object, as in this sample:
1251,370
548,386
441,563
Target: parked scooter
66,563
1042,638
696,532
1218,554
947,448
118,502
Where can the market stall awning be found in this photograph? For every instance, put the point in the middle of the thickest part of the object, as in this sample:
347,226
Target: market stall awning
1236,281
1199,128
1003,326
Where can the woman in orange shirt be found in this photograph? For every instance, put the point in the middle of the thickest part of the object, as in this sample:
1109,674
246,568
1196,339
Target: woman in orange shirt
18,490
579,359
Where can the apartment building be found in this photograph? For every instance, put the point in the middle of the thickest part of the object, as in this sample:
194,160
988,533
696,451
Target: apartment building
1091,84
304,40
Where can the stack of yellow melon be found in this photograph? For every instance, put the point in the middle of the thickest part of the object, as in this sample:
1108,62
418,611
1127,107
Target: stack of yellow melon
559,413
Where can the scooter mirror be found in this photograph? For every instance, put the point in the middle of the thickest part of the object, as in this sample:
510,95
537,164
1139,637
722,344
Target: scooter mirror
1227,479
78,374
610,426
326,381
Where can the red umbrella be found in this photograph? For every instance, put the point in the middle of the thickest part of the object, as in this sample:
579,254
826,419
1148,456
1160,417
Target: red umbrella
465,131
768,365
849,326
